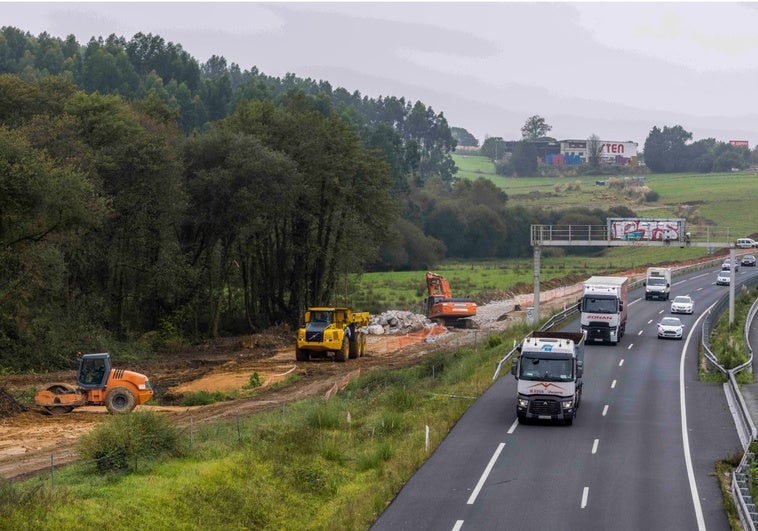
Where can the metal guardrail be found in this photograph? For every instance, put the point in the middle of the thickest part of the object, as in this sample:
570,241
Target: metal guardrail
743,501
746,508
741,476
559,317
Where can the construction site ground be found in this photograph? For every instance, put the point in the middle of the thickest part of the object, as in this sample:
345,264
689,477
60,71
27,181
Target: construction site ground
29,438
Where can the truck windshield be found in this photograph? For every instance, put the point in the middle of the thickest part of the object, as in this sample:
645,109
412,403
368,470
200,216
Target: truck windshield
546,369
599,305
656,281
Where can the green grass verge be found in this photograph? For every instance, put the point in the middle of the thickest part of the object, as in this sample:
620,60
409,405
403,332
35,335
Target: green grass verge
315,464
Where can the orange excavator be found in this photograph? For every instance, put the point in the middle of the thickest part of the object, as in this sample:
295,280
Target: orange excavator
442,307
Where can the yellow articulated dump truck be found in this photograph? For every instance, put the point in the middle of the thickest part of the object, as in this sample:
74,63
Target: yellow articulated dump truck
336,331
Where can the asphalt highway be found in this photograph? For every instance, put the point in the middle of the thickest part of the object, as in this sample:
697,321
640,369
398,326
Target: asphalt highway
640,455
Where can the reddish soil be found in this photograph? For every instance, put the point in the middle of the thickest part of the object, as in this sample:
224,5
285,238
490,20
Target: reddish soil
29,439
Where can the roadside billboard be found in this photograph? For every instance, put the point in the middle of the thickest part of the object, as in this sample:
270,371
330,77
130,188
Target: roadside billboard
645,229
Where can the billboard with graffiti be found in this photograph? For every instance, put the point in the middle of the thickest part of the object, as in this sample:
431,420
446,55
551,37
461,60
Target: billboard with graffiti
645,229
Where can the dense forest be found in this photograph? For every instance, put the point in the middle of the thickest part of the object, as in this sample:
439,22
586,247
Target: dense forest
147,197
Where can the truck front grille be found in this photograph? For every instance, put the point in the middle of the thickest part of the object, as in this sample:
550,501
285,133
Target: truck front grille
541,406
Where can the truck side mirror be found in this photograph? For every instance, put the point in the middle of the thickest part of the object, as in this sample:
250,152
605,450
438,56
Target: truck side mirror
668,285
514,368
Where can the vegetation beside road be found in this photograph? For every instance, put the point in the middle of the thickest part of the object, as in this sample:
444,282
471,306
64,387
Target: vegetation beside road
315,464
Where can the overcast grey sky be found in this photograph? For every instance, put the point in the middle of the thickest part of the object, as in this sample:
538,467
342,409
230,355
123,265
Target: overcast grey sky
611,69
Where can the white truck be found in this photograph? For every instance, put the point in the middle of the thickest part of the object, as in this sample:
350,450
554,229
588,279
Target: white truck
549,373
603,306
658,283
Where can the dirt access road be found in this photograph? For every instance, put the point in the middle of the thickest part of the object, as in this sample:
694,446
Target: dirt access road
30,440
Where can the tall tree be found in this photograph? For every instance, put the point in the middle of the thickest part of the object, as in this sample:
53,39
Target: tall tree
315,209
666,149
493,147
594,148
535,128
524,158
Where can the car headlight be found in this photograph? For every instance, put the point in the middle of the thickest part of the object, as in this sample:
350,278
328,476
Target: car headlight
568,404
523,402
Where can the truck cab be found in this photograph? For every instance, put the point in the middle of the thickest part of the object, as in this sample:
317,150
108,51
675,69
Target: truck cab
331,330
549,371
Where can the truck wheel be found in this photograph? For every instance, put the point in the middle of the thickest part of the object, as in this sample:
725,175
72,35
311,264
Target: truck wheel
120,400
363,345
344,352
301,355
569,422
354,348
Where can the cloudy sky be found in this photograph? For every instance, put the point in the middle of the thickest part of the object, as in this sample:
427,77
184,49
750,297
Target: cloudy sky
611,69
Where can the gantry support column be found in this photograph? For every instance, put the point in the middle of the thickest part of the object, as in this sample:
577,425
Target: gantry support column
536,289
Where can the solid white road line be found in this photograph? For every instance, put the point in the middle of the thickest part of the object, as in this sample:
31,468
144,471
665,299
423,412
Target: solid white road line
685,434
486,473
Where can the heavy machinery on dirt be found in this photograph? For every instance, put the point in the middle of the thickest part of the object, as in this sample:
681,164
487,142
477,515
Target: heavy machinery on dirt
442,307
336,331
98,384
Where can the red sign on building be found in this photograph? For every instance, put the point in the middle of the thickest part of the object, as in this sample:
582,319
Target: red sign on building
740,143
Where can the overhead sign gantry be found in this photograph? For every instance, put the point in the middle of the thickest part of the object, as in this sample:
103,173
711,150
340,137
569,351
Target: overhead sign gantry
631,232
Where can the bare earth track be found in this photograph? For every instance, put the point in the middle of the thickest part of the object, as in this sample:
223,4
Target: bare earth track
29,439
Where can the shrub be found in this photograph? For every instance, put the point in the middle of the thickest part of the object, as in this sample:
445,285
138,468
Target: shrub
255,381
494,341
125,440
203,398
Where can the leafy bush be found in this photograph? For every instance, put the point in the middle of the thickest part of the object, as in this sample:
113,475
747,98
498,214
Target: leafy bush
126,440
255,381
494,341
203,398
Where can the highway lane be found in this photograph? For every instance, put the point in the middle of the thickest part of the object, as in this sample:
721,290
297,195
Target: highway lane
623,464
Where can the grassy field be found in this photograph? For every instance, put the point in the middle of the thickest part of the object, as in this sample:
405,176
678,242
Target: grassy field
332,464
717,201
724,200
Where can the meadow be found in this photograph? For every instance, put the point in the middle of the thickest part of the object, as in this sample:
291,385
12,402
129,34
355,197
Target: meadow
328,464
718,201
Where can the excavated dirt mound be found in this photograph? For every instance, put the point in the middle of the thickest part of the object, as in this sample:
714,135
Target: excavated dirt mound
8,405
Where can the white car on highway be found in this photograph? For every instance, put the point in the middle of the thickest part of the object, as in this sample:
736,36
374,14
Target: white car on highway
724,278
682,304
670,328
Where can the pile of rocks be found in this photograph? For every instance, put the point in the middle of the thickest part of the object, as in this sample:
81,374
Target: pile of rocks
398,322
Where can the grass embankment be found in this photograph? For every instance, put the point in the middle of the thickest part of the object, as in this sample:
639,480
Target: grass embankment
706,200
727,341
315,464
492,280
724,200
728,345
